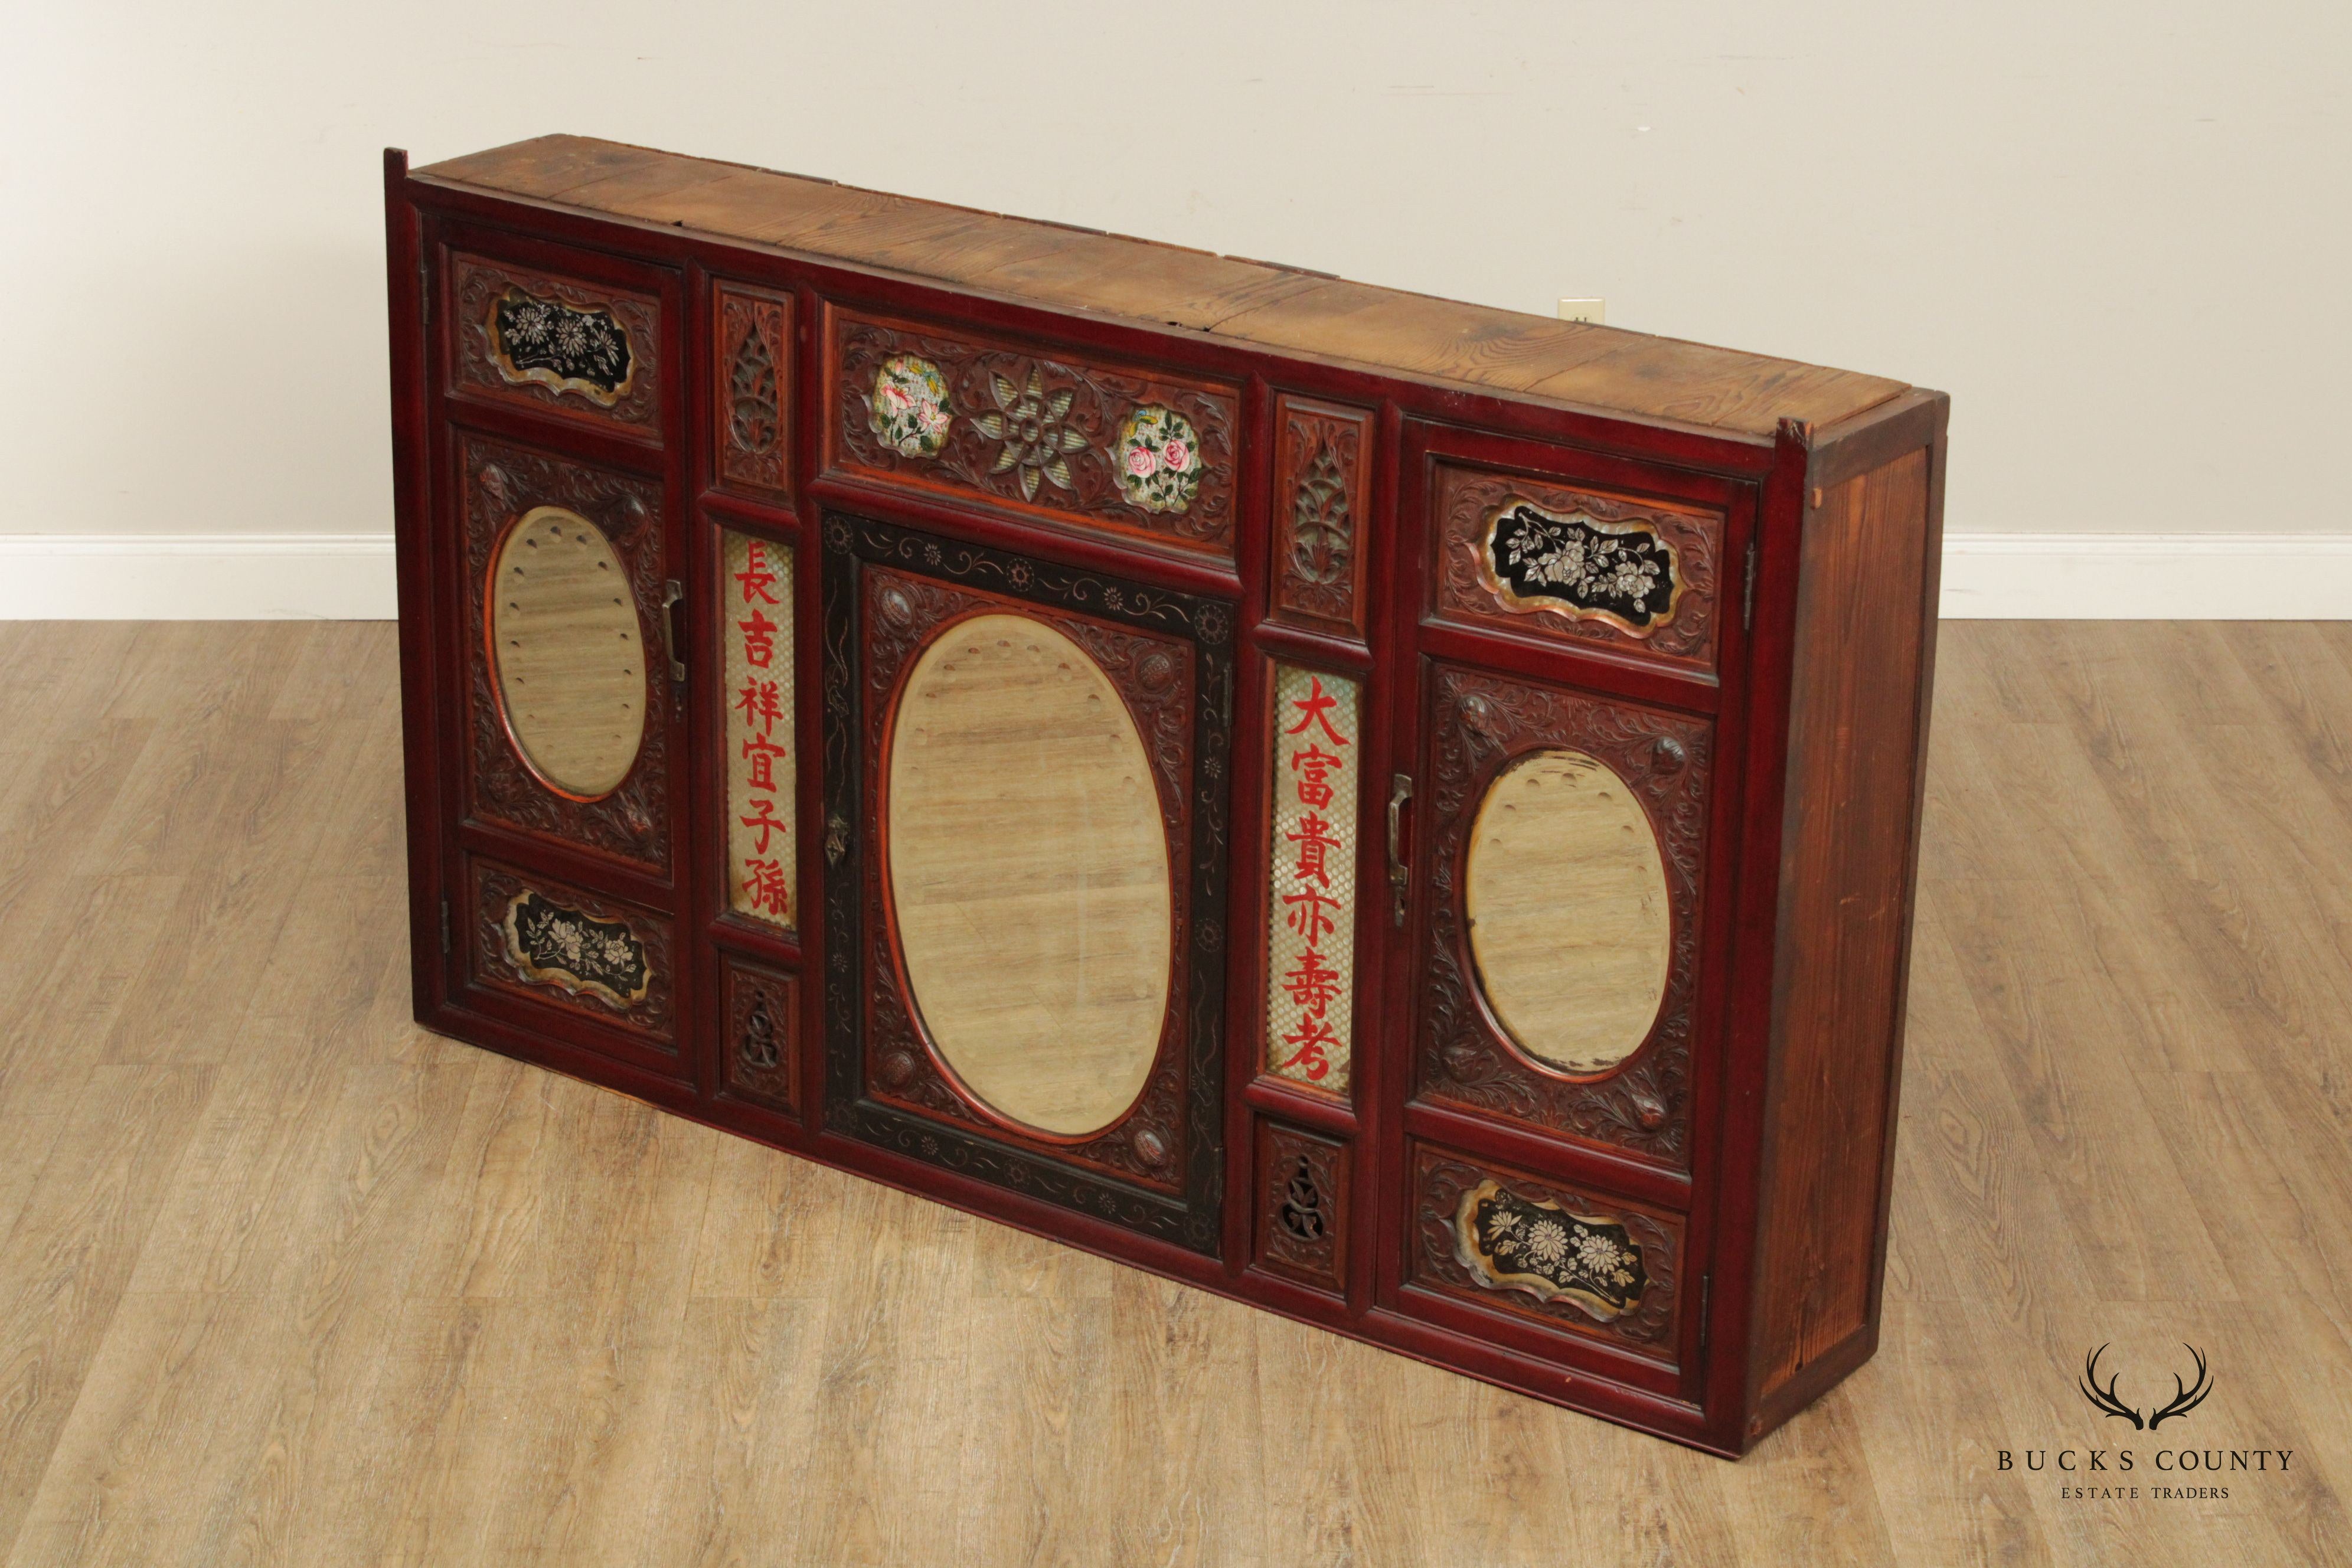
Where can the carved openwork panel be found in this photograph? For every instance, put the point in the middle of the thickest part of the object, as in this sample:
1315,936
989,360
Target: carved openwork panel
556,944
1479,725
1144,454
1562,561
750,399
503,485
1515,1243
1317,751
1302,1211
578,349
892,596
1321,504
759,1055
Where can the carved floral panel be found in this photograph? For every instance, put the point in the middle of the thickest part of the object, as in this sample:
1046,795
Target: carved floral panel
1477,725
502,484
751,407
562,945
1579,564
1140,453
577,349
758,1060
1519,1244
1322,457
1302,1215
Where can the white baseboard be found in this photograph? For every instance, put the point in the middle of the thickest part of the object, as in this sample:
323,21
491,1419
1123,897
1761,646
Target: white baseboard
1986,576
2147,576
196,577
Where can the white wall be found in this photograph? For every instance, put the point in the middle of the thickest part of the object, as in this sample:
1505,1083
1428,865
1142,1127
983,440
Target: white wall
2117,234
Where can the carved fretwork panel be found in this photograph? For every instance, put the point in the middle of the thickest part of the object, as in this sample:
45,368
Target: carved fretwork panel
1302,1208
559,944
577,349
1554,561
501,484
1535,1249
1146,455
759,1055
1478,723
751,407
886,590
1321,504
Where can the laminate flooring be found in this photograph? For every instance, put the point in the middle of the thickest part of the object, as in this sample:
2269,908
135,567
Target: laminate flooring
284,1280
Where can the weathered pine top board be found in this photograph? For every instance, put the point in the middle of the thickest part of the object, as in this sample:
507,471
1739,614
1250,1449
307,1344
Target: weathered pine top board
1472,347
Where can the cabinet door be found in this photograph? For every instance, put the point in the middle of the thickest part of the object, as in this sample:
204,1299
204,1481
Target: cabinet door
1025,847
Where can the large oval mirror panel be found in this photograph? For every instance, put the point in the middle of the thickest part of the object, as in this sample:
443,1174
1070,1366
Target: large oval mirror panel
1028,874
568,653
1570,924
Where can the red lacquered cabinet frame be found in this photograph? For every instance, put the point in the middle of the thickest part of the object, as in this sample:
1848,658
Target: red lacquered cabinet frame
1512,731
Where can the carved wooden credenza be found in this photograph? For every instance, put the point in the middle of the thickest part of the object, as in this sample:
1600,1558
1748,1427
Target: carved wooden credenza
1398,812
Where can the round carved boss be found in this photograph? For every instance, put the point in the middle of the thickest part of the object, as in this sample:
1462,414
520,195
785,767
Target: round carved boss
1028,874
568,653
1570,923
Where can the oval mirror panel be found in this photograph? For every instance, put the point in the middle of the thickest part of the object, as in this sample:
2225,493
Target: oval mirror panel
1569,918
568,653
1028,873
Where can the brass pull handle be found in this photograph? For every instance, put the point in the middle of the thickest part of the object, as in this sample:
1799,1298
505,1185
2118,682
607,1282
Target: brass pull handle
671,595
1399,874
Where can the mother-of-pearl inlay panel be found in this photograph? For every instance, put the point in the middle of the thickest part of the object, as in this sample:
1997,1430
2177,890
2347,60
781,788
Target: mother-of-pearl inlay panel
1028,874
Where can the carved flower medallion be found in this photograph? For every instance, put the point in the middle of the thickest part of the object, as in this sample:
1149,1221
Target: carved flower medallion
908,409
1158,461
1036,442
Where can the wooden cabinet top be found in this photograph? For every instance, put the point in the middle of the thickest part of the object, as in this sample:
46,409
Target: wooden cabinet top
1251,304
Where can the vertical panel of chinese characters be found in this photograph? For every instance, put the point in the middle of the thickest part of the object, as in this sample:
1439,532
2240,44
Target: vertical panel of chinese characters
1311,913
756,630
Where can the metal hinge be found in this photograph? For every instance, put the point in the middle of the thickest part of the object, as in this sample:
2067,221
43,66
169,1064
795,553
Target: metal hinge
1748,593
423,285
1705,1290
446,943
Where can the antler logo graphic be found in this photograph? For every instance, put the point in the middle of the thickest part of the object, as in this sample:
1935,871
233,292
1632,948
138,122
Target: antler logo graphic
2186,1397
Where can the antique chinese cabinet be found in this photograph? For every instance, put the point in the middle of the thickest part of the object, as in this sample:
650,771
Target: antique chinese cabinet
1398,812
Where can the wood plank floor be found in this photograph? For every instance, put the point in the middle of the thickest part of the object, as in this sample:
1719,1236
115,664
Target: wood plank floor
284,1280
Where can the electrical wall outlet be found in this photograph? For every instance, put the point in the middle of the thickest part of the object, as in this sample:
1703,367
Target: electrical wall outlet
1593,311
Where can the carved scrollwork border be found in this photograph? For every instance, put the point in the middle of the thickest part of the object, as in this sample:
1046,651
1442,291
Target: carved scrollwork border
1440,1182
1478,723
1467,502
501,483
495,890
895,1103
1321,507
760,1053
479,283
1089,402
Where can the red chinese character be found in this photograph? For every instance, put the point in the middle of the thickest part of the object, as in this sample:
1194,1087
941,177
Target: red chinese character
1307,916
1315,845
1312,982
760,706
755,576
1314,706
758,638
1311,1036
1315,767
763,817
763,885
762,754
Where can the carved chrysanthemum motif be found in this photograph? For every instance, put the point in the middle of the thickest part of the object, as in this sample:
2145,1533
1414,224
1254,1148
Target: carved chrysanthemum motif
1031,426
